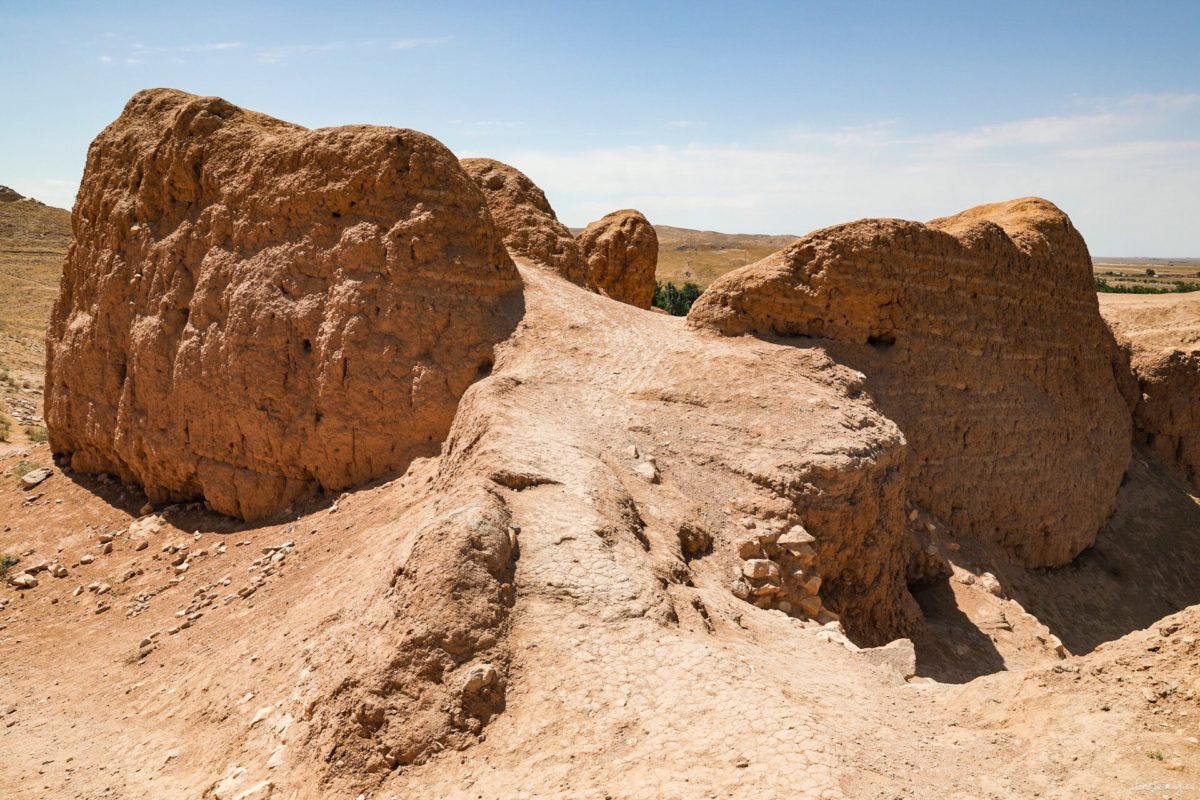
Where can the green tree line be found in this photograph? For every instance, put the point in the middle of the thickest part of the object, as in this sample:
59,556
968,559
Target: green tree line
675,300
1174,286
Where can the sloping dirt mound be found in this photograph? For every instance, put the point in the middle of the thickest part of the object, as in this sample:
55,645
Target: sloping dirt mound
979,335
1144,686
621,251
1160,336
594,484
699,479
525,219
251,311
358,642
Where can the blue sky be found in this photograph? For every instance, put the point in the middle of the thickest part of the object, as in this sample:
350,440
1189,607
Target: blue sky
746,117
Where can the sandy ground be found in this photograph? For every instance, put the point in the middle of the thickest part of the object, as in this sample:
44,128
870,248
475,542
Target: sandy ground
629,676
1168,320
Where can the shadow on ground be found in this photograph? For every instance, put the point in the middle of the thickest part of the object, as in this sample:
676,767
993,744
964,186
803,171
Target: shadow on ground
950,647
1142,568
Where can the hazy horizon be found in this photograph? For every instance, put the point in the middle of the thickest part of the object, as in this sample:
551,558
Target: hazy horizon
767,118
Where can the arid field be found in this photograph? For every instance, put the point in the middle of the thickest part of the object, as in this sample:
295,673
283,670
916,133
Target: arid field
335,466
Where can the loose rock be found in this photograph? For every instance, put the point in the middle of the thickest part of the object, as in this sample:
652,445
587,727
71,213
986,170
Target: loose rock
34,477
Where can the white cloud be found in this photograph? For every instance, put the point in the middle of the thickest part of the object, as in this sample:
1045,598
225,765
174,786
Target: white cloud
1121,174
1163,152
139,52
277,53
412,44
210,46
1035,132
1163,101
873,134
267,54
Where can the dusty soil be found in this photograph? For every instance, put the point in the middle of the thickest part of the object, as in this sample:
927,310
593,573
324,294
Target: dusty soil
630,672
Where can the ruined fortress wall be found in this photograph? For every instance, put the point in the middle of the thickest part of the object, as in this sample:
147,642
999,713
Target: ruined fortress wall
980,336
251,311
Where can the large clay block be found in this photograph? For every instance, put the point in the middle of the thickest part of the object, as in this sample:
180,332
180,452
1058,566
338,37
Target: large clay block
528,224
251,311
621,251
1159,336
980,335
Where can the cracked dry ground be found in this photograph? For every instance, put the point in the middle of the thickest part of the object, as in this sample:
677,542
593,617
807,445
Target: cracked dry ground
630,670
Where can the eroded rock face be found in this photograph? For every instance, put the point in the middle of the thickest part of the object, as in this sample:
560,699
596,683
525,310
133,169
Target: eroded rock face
251,311
1168,414
437,678
534,466
621,251
778,445
525,218
1160,337
979,335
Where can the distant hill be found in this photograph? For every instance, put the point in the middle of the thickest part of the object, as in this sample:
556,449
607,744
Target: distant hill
33,244
703,256
700,257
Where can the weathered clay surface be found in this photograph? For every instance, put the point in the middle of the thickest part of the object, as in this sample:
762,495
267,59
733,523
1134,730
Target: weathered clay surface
1160,337
525,219
621,251
628,557
979,335
558,455
560,572
435,670
534,578
252,311
809,468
